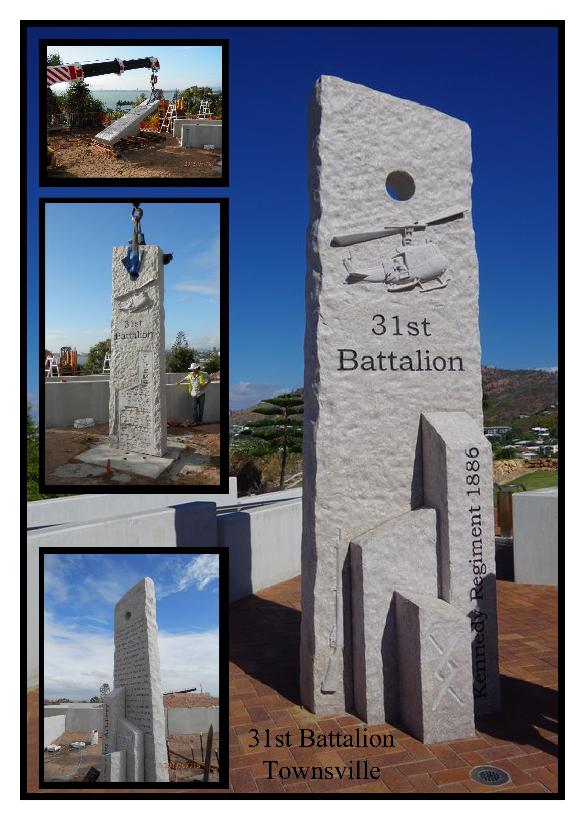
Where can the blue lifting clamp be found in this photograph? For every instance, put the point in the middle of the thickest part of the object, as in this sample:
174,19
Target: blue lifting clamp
132,261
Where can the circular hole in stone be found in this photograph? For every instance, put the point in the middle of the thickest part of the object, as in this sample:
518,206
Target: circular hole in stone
127,616
491,776
400,185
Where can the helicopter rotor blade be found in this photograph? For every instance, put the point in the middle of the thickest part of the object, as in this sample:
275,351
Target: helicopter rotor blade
441,219
353,239
390,230
449,217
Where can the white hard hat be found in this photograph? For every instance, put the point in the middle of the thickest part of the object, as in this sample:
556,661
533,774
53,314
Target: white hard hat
194,366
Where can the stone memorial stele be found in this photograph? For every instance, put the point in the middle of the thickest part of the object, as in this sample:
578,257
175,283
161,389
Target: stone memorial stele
137,399
397,487
134,745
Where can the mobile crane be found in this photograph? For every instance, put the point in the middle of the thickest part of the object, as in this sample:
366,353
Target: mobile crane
70,72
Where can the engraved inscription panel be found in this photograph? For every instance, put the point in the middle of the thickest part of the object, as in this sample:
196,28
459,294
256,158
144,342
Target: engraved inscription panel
137,403
132,670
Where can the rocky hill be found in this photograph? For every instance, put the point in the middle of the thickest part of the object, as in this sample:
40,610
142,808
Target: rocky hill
510,394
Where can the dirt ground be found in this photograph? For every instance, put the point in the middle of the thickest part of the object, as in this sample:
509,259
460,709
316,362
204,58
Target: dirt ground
505,470
72,765
62,445
74,157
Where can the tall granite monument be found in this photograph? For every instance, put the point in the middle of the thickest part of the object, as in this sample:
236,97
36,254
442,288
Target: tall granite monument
134,745
397,492
137,400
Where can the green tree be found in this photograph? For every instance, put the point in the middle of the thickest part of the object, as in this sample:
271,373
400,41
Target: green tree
282,431
505,453
141,98
52,99
78,98
104,690
180,357
32,463
194,95
212,363
94,699
96,357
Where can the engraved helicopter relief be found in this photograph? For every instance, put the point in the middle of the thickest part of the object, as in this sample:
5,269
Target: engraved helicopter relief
135,302
413,264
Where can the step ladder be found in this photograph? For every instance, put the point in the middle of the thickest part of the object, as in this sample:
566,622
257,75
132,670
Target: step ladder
50,366
169,118
107,363
204,109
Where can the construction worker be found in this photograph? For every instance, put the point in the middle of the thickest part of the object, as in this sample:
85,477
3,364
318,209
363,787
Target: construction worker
197,381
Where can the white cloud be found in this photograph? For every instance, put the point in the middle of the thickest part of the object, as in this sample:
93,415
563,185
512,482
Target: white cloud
77,660
245,394
199,571
197,288
188,660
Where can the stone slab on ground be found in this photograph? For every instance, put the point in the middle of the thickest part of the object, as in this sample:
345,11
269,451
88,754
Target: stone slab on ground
435,669
375,358
128,124
378,568
139,464
457,467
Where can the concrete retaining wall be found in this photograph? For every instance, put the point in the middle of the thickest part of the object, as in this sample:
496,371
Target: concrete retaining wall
186,720
179,124
77,397
77,719
189,526
536,538
60,718
92,507
54,726
197,135
265,546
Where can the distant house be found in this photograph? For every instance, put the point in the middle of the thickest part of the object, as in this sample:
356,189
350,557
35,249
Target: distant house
547,450
499,430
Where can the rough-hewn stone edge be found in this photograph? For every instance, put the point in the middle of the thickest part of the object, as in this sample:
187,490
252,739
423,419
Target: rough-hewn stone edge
310,417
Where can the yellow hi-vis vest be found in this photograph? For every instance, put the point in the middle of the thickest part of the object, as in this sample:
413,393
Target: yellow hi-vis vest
196,382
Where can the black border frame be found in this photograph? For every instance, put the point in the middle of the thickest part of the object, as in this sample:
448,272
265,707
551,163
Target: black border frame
79,489
560,26
45,180
223,678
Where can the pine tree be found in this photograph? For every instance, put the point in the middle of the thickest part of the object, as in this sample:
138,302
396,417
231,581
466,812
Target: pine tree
180,356
281,431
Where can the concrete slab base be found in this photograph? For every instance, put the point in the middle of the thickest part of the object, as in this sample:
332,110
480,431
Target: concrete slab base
189,463
137,463
77,471
73,471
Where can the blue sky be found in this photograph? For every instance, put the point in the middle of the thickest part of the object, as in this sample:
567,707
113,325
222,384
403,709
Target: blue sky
180,66
80,593
501,80
78,265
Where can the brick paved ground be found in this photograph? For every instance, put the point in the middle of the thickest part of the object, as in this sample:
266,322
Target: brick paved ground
264,648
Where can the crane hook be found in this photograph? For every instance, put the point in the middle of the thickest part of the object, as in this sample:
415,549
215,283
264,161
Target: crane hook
132,261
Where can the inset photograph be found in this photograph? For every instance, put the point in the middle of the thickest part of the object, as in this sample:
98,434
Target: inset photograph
152,112
131,669
131,326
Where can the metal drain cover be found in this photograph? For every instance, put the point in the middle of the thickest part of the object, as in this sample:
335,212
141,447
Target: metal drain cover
489,776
